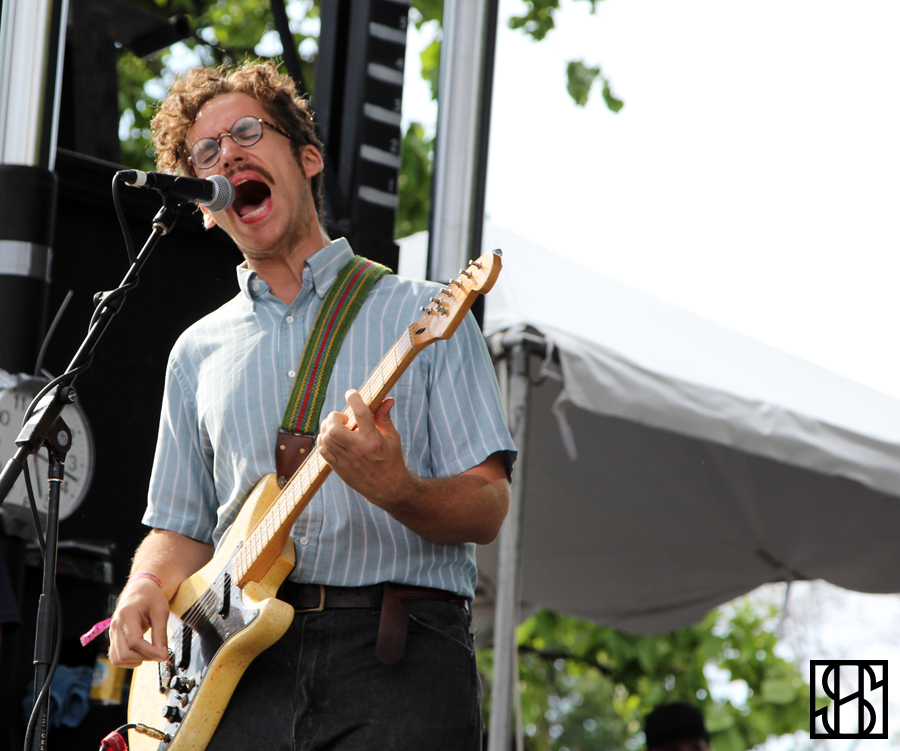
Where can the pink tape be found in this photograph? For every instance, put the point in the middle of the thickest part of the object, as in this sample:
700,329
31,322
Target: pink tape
96,630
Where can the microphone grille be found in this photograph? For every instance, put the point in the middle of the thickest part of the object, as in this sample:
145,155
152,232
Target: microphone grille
224,196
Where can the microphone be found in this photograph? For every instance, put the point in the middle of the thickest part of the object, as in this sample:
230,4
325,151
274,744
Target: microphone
216,192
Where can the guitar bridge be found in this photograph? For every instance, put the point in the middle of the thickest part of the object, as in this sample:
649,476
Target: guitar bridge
166,672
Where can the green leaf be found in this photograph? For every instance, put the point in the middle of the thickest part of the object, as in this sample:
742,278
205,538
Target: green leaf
431,65
429,10
719,718
778,691
538,19
579,79
416,159
611,102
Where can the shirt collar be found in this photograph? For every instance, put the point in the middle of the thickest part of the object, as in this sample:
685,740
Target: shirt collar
323,266
327,263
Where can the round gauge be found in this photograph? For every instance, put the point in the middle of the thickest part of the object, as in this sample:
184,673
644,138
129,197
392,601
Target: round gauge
79,461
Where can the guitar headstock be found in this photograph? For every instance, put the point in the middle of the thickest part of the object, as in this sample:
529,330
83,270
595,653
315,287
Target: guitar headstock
446,311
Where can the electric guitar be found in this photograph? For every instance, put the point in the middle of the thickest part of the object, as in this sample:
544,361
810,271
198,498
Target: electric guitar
226,614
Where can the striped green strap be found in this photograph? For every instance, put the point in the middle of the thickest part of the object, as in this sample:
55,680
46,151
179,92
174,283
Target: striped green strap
339,308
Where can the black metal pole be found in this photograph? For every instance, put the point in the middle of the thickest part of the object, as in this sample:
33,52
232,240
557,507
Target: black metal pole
48,615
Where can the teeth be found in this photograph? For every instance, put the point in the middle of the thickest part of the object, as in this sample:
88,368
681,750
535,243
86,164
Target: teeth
255,211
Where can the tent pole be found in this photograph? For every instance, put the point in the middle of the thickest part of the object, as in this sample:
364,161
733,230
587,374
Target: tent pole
506,663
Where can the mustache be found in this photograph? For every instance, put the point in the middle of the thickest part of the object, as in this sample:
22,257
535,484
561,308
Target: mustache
261,171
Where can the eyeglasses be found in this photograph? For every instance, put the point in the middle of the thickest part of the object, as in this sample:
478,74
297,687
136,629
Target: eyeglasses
246,131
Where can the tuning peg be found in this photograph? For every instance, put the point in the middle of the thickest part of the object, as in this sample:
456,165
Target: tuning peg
476,264
466,273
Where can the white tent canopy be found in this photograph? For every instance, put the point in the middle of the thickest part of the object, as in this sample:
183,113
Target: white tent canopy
678,464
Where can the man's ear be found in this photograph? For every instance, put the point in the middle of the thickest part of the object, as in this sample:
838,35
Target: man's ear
209,221
311,161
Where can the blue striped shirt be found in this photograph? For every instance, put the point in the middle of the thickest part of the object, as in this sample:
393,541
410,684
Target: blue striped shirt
228,381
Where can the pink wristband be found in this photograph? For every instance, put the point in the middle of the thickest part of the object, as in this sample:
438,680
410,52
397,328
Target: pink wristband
145,575
96,630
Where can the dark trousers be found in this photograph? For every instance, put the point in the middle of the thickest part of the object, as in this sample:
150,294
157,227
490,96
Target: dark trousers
322,687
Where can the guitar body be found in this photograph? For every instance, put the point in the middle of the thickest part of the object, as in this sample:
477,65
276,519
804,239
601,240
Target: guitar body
215,630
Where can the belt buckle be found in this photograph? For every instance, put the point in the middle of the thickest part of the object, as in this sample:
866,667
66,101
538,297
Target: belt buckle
321,605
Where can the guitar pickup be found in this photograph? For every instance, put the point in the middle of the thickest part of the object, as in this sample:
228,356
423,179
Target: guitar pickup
225,595
186,637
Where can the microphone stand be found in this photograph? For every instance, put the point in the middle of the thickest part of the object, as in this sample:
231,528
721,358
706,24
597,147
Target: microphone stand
45,427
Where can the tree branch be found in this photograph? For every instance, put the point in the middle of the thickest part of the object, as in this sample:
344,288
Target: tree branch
554,656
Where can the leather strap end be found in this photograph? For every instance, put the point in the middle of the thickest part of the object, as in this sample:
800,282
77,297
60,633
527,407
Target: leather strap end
390,645
291,450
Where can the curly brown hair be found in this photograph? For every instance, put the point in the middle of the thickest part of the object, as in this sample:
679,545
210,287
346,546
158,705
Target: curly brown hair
261,80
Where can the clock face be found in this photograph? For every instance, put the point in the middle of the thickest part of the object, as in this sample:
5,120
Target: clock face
79,464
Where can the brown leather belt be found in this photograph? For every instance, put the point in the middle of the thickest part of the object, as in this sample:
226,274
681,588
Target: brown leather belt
394,621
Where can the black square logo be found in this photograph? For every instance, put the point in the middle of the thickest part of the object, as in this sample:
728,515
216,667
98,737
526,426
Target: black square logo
859,698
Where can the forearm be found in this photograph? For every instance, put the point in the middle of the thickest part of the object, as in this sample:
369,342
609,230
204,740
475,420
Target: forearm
469,507
450,510
171,557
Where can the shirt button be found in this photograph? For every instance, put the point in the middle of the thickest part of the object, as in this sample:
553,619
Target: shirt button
292,373
304,540
289,319
255,286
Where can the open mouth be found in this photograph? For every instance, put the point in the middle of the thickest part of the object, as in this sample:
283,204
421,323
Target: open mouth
250,197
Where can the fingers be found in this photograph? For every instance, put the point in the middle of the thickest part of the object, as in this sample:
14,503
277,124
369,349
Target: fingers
136,613
364,421
382,415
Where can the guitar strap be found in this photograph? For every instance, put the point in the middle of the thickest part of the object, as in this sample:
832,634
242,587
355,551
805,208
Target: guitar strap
301,416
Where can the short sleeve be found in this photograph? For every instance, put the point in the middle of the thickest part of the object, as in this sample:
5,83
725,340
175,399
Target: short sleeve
182,496
466,419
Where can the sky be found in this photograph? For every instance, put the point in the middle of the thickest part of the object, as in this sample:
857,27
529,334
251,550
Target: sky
751,176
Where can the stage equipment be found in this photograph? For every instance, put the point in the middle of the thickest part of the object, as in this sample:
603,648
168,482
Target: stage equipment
16,393
216,192
358,96
45,428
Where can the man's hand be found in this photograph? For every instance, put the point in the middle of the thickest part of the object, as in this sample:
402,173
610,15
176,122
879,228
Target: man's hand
142,605
447,510
370,458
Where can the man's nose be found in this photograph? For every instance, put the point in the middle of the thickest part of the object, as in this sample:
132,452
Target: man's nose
230,151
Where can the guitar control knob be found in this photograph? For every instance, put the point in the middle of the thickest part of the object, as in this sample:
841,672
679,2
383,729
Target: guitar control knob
182,685
172,714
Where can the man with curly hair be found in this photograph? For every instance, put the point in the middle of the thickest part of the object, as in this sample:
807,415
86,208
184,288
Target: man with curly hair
386,547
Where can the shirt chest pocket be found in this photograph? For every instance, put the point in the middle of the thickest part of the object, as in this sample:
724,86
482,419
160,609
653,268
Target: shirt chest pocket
410,411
